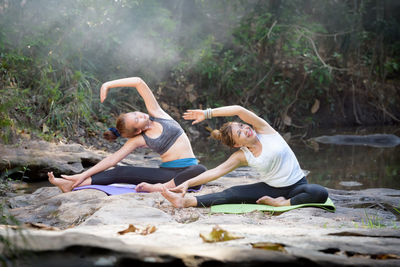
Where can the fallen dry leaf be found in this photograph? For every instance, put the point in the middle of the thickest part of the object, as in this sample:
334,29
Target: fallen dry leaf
315,107
269,246
148,230
218,235
130,228
287,120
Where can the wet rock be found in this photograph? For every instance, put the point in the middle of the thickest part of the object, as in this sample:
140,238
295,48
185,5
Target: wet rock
350,183
32,160
374,140
38,158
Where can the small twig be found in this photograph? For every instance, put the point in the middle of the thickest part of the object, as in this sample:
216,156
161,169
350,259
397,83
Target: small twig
354,103
270,29
320,58
263,78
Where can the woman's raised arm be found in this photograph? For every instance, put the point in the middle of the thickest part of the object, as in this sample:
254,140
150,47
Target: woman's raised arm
150,101
259,124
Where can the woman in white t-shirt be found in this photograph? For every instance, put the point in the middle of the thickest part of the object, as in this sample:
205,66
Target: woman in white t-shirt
283,181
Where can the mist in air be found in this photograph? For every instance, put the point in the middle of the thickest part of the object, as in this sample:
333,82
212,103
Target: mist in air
128,34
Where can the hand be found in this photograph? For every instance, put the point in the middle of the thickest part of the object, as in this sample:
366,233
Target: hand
77,179
182,188
103,92
194,114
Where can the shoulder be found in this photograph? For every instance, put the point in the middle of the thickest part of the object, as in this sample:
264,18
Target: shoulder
239,156
136,141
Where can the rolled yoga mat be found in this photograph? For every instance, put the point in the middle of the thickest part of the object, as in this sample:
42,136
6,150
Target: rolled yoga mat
118,189
244,208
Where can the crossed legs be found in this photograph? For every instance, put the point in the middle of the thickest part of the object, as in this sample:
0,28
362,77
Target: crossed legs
261,193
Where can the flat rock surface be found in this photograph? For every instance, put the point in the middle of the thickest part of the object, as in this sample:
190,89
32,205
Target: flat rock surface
364,230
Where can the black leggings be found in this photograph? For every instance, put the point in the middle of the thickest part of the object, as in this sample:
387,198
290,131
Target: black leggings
136,175
298,193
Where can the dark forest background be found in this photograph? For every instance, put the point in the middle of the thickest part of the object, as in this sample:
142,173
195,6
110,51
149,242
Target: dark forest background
301,64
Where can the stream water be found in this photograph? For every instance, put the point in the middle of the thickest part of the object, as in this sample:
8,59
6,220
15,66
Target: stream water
334,166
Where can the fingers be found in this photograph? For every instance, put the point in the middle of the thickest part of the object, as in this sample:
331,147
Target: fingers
76,184
189,116
176,189
102,96
182,191
103,93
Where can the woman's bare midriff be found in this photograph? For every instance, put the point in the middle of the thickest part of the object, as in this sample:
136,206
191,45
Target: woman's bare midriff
180,150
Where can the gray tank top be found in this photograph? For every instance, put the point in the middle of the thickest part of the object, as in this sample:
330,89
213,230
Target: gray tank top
171,131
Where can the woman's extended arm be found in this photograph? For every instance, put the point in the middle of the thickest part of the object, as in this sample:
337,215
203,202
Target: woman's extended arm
107,162
259,124
150,101
236,160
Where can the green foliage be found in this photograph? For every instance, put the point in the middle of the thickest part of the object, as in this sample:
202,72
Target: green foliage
372,221
279,62
275,57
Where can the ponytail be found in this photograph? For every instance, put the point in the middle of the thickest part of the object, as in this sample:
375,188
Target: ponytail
111,135
216,134
224,134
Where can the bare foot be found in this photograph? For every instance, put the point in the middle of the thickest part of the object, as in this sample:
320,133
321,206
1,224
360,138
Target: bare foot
176,199
146,187
64,184
276,202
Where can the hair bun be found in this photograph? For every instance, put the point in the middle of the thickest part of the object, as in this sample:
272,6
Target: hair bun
109,136
216,134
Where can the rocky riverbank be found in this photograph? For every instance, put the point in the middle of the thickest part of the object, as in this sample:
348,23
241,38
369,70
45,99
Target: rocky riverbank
82,227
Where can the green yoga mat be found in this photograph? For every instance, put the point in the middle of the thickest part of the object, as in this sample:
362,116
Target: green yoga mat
243,208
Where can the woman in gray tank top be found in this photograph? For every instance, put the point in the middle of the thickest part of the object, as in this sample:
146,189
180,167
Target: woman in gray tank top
283,182
156,130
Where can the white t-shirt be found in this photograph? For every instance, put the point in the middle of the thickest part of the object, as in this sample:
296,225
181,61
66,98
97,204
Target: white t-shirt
277,163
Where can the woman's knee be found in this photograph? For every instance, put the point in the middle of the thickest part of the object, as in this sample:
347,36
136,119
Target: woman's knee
197,169
189,173
319,193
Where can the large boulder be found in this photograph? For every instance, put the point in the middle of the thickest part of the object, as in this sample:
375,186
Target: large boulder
34,159
38,158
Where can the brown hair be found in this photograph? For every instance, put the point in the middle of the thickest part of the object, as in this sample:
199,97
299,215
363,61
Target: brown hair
224,134
122,129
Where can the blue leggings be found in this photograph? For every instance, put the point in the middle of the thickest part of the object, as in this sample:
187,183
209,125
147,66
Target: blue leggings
298,193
